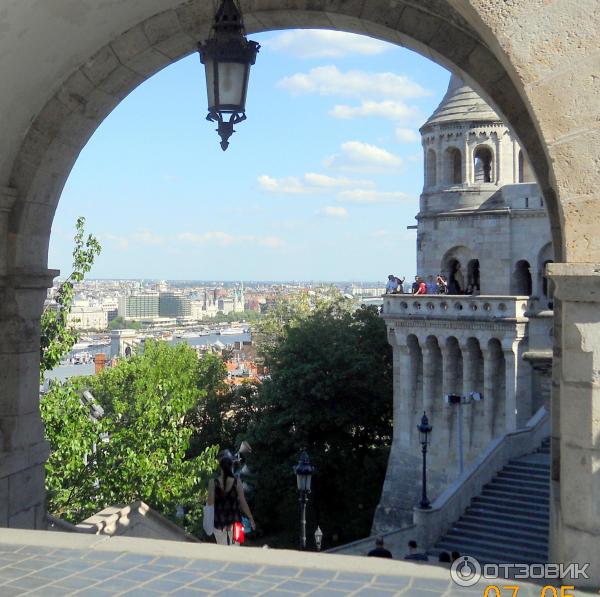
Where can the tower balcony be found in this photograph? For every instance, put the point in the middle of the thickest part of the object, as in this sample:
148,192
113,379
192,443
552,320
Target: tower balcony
458,307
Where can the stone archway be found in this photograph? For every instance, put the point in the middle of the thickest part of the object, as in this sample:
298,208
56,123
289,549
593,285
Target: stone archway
66,67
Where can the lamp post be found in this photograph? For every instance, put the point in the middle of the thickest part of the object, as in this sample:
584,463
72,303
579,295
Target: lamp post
424,430
304,471
459,400
227,57
318,538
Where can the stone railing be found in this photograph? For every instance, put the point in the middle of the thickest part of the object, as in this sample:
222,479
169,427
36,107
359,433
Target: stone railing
450,505
448,306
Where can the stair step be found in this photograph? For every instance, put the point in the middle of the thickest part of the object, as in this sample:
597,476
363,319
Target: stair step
520,487
535,544
525,478
510,520
491,504
487,556
501,528
533,474
511,496
536,466
520,554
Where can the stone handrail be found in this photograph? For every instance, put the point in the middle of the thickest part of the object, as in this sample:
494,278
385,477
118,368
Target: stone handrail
450,505
460,306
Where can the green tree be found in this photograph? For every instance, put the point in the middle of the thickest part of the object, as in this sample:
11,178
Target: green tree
330,392
137,448
119,323
290,311
57,336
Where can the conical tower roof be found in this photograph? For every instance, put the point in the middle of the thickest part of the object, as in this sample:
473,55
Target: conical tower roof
461,104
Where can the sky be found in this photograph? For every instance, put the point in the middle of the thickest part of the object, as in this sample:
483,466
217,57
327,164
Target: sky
319,183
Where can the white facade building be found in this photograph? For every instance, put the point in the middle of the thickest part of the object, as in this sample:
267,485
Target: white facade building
481,223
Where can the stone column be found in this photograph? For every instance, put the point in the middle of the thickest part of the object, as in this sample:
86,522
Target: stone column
468,359
490,365
430,366
511,385
23,449
575,522
403,391
447,425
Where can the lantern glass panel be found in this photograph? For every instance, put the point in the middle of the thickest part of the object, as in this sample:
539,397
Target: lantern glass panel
232,79
209,67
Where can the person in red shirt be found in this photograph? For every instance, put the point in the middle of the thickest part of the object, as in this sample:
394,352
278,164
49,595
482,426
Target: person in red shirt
422,289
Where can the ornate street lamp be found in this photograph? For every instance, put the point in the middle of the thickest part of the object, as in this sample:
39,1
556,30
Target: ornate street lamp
227,57
304,471
318,538
424,431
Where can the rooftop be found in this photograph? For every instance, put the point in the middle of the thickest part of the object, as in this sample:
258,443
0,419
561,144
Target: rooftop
461,104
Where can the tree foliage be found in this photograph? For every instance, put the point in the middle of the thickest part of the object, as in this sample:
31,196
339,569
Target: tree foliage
330,392
145,400
57,336
119,323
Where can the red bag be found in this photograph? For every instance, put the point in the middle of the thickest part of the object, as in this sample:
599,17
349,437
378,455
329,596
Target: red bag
238,532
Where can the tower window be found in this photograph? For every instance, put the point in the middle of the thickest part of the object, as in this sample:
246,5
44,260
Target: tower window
483,164
453,166
430,169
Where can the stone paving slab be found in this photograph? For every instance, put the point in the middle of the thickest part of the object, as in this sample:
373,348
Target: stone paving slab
52,564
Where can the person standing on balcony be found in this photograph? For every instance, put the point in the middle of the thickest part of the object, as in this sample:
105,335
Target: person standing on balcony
422,287
392,285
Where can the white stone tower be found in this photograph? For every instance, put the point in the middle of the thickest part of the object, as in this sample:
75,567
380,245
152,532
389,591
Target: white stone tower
482,223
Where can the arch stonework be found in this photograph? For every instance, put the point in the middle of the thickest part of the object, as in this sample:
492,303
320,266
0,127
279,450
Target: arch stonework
64,69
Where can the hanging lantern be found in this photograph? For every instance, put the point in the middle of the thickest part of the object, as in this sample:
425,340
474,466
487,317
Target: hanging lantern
227,57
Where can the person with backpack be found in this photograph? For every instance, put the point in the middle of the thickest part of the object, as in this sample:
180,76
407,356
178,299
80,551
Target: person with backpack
226,494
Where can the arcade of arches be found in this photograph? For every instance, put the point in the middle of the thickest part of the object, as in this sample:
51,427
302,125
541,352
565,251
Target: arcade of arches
65,66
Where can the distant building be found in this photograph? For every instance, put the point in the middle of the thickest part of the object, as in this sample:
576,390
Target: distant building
174,304
140,306
86,316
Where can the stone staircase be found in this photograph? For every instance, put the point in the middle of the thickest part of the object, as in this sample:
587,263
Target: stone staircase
508,522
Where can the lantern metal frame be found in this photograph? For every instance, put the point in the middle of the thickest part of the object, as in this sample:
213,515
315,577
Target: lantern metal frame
227,44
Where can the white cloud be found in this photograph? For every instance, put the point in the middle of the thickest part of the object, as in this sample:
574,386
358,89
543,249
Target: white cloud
222,238
370,196
381,233
316,43
333,212
390,109
226,239
328,80
407,135
363,157
122,242
146,237
311,182
271,242
289,185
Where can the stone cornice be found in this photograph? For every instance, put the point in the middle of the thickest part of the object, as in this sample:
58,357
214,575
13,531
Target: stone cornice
576,282
454,324
28,279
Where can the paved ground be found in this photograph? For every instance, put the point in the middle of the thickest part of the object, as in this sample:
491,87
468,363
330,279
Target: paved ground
56,564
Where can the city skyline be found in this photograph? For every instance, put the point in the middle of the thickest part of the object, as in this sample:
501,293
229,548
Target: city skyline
147,180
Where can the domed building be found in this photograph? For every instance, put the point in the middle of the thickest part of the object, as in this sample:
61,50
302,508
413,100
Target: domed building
482,224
